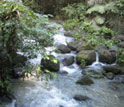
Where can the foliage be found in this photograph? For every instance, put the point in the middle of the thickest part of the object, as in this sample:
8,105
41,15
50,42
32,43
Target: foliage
52,59
4,82
70,24
121,56
120,6
83,63
75,10
97,8
21,30
102,9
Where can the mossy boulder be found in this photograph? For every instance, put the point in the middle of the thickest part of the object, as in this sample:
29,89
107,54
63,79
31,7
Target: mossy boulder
81,98
115,69
93,73
85,80
89,56
51,63
73,45
107,56
88,46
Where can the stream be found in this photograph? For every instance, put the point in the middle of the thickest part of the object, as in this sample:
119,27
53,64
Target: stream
60,92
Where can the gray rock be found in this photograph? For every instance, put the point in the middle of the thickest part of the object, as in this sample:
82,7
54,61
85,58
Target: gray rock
119,38
110,75
81,98
64,49
114,69
68,61
73,45
107,56
121,45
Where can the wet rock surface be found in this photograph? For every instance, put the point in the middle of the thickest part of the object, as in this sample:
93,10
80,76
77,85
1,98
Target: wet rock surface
88,55
68,60
73,45
81,98
63,49
110,75
106,56
51,63
114,69
85,80
121,44
93,73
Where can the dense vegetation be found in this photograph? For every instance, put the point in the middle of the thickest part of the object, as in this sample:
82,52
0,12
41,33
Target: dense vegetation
96,23
21,30
24,28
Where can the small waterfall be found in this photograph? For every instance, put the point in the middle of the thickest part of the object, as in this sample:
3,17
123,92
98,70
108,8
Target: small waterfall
97,57
97,63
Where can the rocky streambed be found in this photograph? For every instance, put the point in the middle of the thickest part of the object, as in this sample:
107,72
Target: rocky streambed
99,84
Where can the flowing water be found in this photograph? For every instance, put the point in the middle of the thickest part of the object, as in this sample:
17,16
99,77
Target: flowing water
60,92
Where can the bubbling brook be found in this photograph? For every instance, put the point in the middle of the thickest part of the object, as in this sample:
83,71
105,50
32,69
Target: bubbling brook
61,91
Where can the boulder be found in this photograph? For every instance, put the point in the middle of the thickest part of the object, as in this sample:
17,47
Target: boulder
119,38
114,69
51,63
99,20
68,61
110,75
106,56
88,46
93,73
64,49
73,45
88,55
76,46
97,48
85,80
81,98
121,44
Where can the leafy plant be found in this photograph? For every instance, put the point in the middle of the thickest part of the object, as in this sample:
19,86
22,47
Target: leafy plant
75,10
97,8
83,63
105,30
70,24
120,6
121,56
